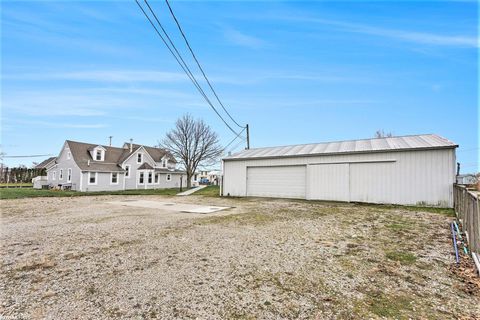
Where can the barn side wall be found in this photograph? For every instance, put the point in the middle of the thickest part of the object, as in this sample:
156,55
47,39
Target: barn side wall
422,177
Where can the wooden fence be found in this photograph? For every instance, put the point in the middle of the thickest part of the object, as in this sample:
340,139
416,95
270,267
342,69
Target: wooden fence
467,208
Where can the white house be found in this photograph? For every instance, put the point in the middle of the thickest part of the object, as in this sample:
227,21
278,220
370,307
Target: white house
90,167
408,170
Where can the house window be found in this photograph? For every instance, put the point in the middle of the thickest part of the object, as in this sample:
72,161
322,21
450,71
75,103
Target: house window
139,158
140,178
60,176
127,171
92,178
157,176
195,178
169,177
54,175
164,163
69,155
69,175
114,178
150,176
98,155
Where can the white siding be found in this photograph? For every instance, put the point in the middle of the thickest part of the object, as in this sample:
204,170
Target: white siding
328,182
63,163
102,183
283,181
374,182
408,177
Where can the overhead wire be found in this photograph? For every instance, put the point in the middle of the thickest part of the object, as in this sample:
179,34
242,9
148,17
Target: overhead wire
29,156
236,146
235,138
180,60
198,64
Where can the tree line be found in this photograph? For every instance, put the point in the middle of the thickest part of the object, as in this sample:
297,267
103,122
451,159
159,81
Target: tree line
19,174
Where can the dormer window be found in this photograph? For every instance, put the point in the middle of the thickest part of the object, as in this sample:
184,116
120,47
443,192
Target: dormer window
140,158
164,163
98,153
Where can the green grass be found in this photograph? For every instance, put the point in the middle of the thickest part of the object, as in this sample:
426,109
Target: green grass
19,193
404,258
391,307
19,184
210,191
449,212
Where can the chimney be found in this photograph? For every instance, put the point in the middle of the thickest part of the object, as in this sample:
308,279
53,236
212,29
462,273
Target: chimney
131,145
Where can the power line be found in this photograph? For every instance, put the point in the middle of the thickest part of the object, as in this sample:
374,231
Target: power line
238,136
198,63
179,60
236,146
29,156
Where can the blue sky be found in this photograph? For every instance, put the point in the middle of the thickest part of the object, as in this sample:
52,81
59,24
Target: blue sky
297,72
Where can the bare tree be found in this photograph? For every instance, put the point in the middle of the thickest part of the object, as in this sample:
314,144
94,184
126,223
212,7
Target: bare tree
194,143
382,134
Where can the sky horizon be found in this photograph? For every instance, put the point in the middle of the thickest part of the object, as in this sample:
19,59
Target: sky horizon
296,72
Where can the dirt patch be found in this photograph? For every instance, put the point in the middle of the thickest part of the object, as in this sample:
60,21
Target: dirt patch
264,258
465,271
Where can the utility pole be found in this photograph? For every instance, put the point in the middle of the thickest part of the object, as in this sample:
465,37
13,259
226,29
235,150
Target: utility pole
248,137
110,138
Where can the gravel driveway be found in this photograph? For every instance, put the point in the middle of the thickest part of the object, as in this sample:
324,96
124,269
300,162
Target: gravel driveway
82,258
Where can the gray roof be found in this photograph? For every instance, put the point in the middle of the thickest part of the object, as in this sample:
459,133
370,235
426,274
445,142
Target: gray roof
164,170
81,155
145,166
413,142
156,153
114,156
45,163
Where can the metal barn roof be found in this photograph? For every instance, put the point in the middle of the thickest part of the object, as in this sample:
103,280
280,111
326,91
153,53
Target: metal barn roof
413,142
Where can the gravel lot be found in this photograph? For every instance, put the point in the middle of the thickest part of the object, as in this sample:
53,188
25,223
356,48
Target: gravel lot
81,258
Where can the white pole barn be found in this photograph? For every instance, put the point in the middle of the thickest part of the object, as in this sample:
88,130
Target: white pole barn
407,170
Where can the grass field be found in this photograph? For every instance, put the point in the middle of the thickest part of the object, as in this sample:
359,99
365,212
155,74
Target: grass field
20,184
210,191
19,193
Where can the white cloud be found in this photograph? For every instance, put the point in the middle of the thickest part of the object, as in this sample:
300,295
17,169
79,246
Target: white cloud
56,124
396,34
103,76
241,39
93,102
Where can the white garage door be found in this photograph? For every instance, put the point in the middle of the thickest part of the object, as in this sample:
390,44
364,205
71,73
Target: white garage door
281,182
373,182
328,182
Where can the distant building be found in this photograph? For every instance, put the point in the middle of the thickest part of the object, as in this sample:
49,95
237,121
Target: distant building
208,177
469,178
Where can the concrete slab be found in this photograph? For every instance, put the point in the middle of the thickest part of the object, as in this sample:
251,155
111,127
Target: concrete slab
168,206
205,210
